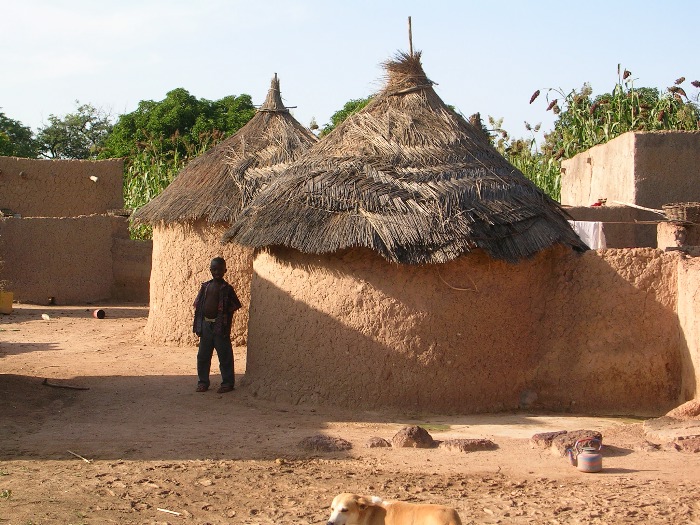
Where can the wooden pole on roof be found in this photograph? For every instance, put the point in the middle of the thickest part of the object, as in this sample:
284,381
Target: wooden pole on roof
410,37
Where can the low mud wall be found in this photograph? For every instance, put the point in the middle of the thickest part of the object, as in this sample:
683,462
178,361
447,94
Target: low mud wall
60,188
67,258
591,333
180,264
131,264
644,168
689,318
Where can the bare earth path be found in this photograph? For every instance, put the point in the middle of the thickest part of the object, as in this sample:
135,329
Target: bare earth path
157,452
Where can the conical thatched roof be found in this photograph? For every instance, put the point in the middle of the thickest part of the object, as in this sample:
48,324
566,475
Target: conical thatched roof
407,177
215,185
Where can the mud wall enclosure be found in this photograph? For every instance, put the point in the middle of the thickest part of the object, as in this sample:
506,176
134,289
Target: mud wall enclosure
181,256
648,169
594,333
60,235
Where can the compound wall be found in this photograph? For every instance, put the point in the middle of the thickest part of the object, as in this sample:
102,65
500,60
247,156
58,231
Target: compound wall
644,168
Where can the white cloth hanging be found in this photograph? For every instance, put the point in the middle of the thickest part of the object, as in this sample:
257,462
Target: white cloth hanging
591,232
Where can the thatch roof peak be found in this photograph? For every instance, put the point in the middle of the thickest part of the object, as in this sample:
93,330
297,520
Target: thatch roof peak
409,178
218,183
405,74
273,101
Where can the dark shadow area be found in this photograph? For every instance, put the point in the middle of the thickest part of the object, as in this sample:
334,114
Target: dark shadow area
13,348
144,418
623,470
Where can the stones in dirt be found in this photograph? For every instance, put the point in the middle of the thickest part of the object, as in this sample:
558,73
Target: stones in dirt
321,443
567,440
688,410
665,429
689,444
467,445
544,439
413,436
646,446
377,442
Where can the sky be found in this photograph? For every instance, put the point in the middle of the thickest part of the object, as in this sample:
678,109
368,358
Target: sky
484,56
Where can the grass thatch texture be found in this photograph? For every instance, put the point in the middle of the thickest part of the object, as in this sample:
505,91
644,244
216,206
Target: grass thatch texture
407,177
214,185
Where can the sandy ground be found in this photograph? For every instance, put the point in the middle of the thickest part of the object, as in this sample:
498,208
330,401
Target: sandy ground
155,451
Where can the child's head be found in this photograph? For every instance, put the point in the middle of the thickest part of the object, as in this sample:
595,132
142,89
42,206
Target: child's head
217,267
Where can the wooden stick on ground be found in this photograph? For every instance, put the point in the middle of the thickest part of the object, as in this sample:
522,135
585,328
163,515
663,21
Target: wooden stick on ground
168,511
46,382
79,456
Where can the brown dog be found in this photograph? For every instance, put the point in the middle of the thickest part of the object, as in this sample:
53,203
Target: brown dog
351,509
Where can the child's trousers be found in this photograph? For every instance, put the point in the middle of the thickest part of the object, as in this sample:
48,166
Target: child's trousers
209,341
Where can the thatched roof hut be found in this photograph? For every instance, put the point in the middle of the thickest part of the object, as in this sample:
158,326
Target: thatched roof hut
334,318
194,211
214,186
409,178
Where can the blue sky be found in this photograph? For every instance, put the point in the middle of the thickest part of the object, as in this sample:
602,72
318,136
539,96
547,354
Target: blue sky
485,56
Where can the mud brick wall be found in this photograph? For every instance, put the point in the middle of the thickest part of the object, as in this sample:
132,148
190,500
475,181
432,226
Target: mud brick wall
69,258
646,168
60,188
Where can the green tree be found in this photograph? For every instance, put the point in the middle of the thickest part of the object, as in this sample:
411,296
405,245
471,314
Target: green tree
178,122
350,107
16,140
78,135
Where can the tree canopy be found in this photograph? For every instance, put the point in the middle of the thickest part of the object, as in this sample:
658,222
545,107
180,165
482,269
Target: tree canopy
78,135
16,140
177,122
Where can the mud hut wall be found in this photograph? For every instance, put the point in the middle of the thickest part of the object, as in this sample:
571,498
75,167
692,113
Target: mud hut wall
69,258
667,167
60,188
594,333
647,169
689,317
180,263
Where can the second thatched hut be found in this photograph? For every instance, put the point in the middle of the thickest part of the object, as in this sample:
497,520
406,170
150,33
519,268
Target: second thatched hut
404,263
194,211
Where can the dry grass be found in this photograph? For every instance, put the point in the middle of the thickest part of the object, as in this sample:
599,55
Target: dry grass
215,185
409,178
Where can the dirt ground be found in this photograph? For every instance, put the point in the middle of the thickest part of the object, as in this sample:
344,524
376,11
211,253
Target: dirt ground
133,443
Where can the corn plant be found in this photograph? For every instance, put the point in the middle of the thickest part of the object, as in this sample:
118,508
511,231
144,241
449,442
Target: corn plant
154,165
584,121
524,154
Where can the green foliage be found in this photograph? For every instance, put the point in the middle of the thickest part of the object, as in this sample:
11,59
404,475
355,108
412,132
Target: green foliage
16,140
525,155
584,121
155,165
350,107
78,135
159,138
177,118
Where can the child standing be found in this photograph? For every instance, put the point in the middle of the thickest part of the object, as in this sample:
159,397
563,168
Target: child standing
213,313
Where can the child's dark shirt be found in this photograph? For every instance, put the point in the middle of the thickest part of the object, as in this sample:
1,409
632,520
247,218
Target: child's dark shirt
228,303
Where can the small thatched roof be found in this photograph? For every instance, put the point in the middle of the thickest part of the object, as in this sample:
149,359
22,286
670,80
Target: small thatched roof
215,185
410,178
